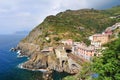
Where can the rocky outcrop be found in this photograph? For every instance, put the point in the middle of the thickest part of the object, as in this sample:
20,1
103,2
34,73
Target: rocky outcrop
44,60
28,48
37,61
49,62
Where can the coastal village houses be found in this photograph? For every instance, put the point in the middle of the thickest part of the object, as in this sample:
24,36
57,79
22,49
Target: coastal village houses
97,40
81,49
84,51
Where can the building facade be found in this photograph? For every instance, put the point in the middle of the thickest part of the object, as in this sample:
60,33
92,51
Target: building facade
99,39
84,51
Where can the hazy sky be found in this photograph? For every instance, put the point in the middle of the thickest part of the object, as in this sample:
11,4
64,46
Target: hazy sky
19,15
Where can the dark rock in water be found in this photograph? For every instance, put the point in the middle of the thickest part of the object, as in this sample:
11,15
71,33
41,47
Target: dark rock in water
13,49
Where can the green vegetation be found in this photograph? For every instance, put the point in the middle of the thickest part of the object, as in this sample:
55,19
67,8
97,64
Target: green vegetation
114,11
85,72
72,24
56,38
108,65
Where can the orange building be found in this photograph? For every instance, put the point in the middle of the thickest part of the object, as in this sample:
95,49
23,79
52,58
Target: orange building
99,39
102,38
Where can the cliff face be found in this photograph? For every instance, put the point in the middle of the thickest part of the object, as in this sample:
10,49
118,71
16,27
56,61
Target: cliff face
28,48
71,24
49,61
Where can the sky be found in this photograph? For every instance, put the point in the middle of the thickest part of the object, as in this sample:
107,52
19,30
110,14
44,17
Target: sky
24,15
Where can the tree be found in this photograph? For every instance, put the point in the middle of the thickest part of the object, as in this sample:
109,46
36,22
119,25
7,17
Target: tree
108,64
56,38
85,72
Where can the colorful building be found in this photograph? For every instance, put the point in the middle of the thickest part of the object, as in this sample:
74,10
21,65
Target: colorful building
84,51
99,39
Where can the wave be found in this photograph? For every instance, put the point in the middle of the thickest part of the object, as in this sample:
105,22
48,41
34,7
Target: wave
41,70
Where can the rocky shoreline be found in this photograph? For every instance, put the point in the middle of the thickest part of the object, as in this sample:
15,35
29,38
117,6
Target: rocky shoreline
43,61
22,67
47,74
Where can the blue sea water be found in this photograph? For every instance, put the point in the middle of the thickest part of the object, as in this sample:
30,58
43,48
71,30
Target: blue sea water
9,61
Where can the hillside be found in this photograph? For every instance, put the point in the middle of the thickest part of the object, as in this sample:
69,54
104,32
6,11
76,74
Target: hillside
74,24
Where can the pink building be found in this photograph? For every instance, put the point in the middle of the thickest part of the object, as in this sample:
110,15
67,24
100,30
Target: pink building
108,32
84,51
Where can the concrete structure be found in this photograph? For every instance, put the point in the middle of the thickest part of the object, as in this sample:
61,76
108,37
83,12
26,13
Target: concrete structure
61,55
72,64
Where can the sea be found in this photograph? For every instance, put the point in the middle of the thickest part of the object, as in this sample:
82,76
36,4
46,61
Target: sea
9,62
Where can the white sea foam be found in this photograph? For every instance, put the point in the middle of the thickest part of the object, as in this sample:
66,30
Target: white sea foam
21,66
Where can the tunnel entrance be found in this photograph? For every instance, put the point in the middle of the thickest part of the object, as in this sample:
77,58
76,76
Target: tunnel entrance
68,50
